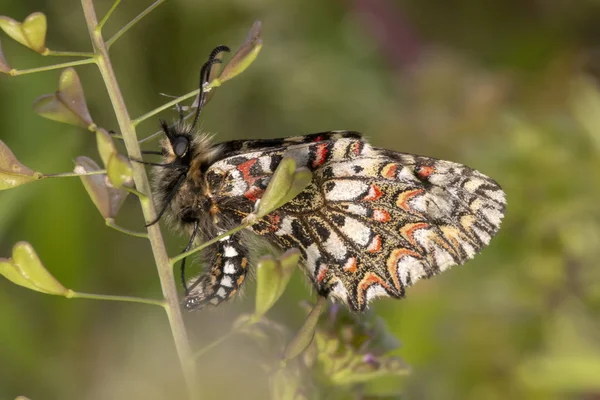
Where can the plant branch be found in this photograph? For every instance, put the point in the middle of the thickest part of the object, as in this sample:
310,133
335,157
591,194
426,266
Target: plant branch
165,271
179,257
111,223
49,52
165,106
134,21
130,299
108,14
74,174
16,72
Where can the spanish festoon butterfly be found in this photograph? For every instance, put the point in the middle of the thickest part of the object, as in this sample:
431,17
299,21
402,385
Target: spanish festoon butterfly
371,223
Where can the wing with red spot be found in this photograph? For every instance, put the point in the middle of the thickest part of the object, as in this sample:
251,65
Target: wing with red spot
372,222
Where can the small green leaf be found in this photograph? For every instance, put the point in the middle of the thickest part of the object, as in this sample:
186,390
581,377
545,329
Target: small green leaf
105,144
12,172
119,171
286,183
4,67
306,333
30,33
108,200
242,58
68,104
26,269
288,264
268,278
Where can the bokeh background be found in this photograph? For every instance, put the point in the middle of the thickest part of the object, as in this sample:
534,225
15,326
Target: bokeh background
509,88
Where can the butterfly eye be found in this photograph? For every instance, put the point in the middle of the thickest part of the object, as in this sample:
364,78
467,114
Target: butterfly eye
180,147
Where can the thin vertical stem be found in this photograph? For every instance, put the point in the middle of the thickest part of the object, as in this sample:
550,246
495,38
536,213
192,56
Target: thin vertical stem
165,271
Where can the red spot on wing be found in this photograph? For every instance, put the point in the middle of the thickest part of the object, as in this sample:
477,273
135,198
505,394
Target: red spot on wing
244,168
373,194
424,171
350,265
322,272
356,147
320,155
254,193
318,138
375,245
274,220
381,215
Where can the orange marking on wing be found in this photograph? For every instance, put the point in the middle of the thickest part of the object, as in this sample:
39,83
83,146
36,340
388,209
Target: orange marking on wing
381,215
424,171
356,148
392,264
321,155
389,171
244,262
375,245
374,193
369,280
240,280
350,265
408,230
404,197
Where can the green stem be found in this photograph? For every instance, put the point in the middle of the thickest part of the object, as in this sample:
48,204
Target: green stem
179,257
164,268
134,192
165,106
71,174
130,299
49,52
111,223
134,21
16,72
107,15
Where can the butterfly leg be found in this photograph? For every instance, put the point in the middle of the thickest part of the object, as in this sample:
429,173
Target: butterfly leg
224,277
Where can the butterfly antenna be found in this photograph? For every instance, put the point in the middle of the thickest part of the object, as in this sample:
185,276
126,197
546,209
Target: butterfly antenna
204,76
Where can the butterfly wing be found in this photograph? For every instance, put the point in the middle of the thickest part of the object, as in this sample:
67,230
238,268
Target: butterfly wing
372,221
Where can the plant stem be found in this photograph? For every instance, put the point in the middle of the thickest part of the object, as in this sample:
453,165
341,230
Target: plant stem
130,299
49,52
165,106
111,223
179,257
70,174
134,21
165,271
16,72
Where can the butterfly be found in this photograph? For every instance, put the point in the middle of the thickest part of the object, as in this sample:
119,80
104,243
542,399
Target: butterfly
370,223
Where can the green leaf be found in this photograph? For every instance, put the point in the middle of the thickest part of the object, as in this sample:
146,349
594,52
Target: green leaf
119,171
68,104
286,183
242,58
4,67
108,200
272,277
12,172
106,146
26,269
306,333
30,33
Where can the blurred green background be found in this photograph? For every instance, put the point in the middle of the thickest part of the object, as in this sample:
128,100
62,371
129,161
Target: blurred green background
508,88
